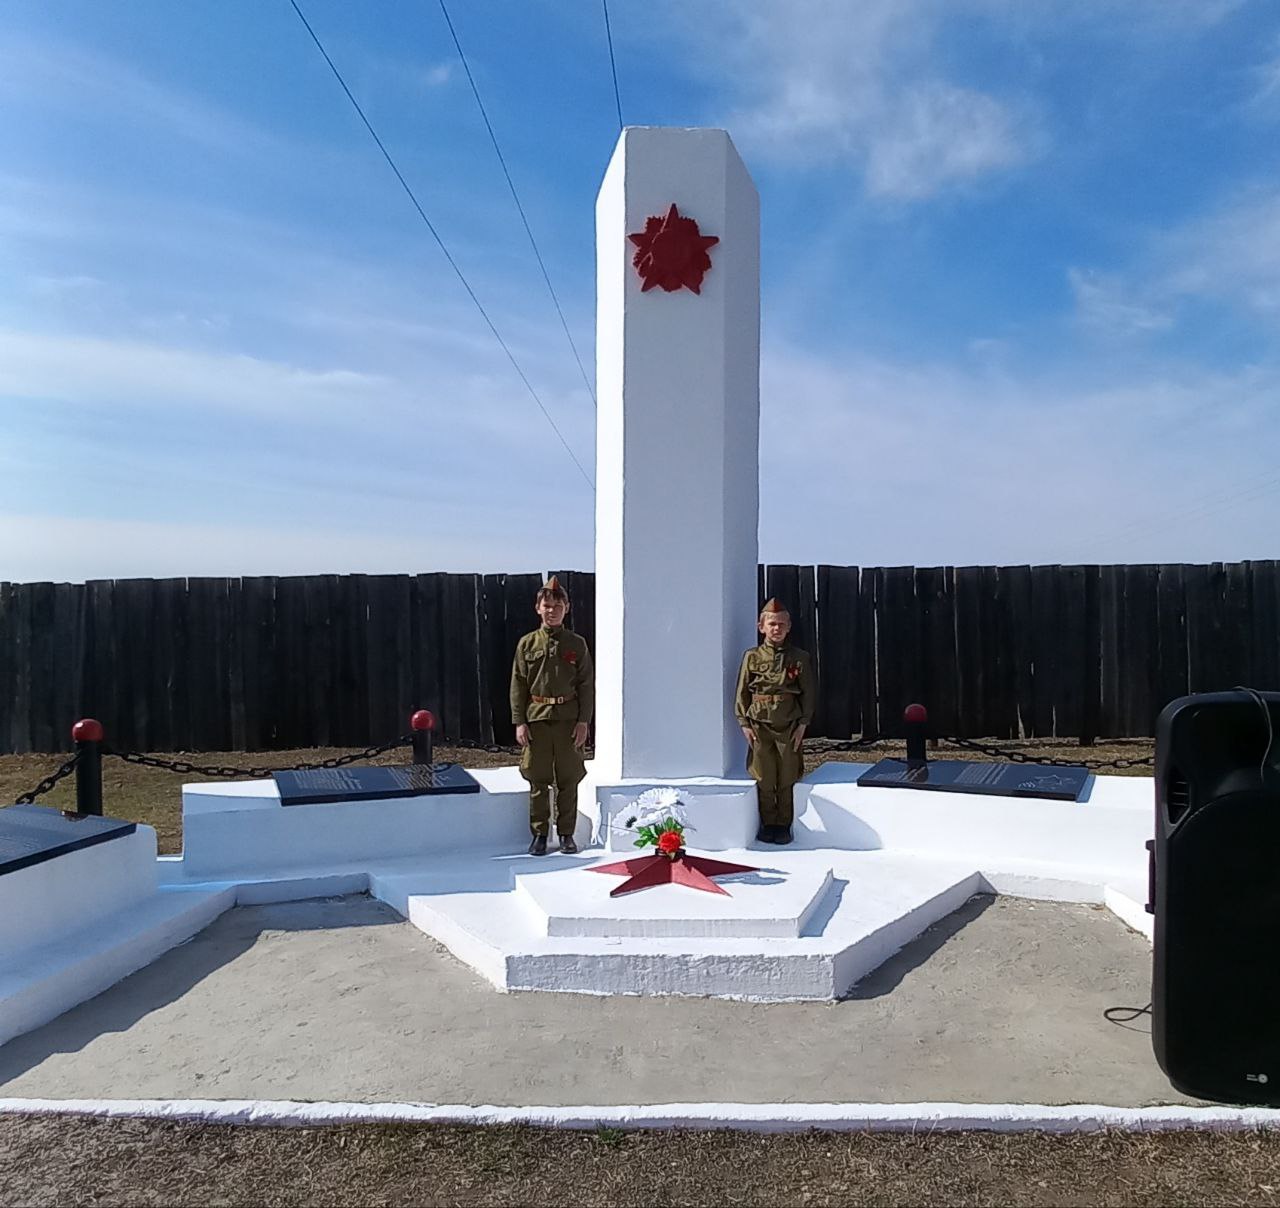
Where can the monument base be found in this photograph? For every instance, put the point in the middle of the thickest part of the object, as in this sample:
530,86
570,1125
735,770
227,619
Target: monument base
722,814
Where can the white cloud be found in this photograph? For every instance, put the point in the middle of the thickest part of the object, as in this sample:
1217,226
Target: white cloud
859,84
37,548
1104,304
929,465
94,86
1230,255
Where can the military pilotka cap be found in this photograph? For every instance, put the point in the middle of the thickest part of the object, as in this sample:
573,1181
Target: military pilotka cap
552,587
773,604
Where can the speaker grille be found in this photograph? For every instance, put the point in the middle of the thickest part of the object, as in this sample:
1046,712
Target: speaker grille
1177,795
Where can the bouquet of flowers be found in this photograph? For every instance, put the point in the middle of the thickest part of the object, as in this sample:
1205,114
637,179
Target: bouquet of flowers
658,820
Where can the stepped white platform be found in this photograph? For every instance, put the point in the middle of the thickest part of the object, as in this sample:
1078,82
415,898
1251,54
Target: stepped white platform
73,925
869,871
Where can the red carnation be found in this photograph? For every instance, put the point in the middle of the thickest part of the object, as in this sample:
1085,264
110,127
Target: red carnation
669,842
570,656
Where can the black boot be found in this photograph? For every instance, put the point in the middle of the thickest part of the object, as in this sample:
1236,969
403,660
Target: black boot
567,845
762,835
539,845
782,835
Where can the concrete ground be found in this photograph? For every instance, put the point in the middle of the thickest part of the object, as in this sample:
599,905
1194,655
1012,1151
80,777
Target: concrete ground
340,999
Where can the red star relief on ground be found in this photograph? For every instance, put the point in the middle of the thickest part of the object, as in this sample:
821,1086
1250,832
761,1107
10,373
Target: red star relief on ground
684,869
672,252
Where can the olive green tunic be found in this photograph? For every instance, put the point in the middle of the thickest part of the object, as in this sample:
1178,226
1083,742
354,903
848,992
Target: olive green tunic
553,688
777,690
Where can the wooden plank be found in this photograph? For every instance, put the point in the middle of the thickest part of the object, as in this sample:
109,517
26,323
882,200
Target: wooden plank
258,673
19,638
468,589
998,712
804,618
1138,656
1238,624
837,609
402,594
200,706
237,717
1111,643
457,658
1264,658
1072,654
935,641
1170,637
221,660
899,657
285,698
321,657
67,599
8,671
1091,688
866,719
425,636
970,661
166,597
495,668
1015,590
134,627
380,655
352,692
1046,608
101,650
1199,620
40,705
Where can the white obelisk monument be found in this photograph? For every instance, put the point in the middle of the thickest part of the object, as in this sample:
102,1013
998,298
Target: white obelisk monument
677,452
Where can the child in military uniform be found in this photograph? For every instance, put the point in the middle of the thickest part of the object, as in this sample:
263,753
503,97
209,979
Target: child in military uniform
774,704
552,698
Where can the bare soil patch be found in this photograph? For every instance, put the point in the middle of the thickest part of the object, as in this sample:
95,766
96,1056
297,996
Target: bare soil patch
57,1161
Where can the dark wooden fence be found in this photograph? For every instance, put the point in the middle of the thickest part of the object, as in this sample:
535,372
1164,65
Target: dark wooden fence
341,660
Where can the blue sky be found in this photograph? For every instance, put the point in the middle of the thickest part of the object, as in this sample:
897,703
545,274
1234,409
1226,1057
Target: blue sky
1021,269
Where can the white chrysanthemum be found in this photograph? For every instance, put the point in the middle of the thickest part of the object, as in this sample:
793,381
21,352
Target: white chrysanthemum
651,808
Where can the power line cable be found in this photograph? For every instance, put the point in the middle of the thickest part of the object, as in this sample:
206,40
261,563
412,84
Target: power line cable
613,63
1200,509
453,264
533,243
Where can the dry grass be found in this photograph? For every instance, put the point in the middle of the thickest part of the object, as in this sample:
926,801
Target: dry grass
154,797
51,1161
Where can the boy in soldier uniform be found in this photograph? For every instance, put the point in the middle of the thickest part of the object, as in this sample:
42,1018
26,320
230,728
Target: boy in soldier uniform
774,704
552,698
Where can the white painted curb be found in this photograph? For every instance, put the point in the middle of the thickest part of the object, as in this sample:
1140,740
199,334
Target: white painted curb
746,1117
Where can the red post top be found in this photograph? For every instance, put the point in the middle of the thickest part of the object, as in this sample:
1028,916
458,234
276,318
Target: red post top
915,713
423,719
87,729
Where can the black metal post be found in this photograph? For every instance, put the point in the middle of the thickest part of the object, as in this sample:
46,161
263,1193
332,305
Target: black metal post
87,735
423,724
916,719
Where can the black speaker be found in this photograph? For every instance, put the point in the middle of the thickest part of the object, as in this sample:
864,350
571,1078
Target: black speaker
1215,892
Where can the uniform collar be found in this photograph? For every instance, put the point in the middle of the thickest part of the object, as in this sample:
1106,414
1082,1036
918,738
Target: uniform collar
765,644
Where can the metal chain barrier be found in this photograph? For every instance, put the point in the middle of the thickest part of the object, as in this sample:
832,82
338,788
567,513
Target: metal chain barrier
822,746
1014,756
471,744
196,769
49,781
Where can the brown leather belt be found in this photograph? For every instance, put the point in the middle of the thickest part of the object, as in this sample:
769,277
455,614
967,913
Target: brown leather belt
553,700
757,696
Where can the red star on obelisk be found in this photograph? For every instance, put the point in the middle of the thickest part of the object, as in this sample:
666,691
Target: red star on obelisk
672,252
684,869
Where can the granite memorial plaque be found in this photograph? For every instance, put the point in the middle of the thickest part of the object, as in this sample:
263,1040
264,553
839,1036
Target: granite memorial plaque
321,786
31,834
970,776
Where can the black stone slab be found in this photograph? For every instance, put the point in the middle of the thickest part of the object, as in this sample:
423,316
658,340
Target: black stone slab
321,786
32,834
972,776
